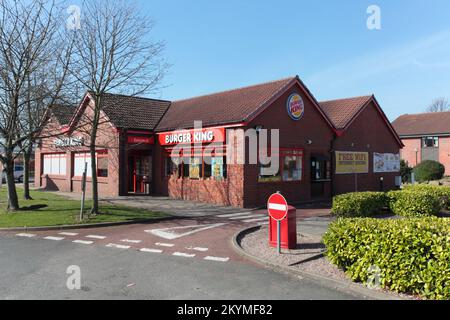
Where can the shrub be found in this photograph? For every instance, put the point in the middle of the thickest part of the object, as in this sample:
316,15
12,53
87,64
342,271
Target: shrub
429,170
359,204
405,171
411,255
414,203
443,192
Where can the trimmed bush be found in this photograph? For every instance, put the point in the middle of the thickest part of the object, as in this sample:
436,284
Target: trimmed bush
429,170
359,204
412,203
410,255
443,192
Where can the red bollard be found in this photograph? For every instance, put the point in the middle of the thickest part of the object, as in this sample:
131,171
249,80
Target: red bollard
288,230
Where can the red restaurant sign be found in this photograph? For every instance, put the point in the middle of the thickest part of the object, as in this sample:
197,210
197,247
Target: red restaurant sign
192,136
141,140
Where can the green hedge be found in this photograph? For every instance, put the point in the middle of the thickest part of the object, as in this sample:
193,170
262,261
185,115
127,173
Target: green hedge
359,204
429,170
443,192
414,203
412,255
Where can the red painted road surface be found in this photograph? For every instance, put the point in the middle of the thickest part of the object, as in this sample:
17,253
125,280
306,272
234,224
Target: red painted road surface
199,238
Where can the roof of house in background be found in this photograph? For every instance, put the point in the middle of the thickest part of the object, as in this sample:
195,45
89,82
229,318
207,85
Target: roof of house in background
129,112
423,124
63,112
227,107
342,111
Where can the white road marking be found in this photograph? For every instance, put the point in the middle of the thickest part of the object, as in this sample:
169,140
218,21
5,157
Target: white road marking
256,220
95,237
54,238
131,241
150,250
117,246
164,244
234,214
25,235
182,254
246,217
168,233
219,259
83,242
276,206
262,223
197,249
69,234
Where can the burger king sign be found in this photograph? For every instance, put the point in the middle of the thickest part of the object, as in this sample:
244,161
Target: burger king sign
295,106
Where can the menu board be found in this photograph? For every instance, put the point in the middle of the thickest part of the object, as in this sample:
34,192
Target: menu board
386,162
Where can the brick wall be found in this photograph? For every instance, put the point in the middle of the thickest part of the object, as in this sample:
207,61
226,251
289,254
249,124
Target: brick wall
368,133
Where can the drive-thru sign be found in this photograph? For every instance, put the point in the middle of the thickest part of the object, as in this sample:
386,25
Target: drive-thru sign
278,209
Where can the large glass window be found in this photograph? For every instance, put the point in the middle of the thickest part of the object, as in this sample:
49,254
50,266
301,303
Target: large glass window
430,142
291,167
55,164
197,167
82,159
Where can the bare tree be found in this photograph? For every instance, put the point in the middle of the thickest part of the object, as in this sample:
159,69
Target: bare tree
114,54
439,105
32,50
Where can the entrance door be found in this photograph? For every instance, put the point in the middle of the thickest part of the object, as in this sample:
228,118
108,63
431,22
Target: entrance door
139,174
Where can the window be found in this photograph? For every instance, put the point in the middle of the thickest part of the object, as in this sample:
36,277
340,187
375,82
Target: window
430,142
198,167
82,159
320,168
291,167
102,165
55,164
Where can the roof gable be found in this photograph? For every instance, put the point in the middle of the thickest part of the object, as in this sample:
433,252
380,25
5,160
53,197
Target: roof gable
435,123
343,112
126,112
229,107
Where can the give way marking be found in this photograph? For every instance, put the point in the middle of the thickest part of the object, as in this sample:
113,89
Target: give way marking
171,233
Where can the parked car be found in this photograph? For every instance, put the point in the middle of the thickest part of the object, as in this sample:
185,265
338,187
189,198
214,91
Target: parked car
18,174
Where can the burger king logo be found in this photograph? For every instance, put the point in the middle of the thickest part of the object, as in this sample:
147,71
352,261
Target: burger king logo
295,106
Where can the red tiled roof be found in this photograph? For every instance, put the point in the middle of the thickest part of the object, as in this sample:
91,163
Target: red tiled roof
423,124
341,112
233,106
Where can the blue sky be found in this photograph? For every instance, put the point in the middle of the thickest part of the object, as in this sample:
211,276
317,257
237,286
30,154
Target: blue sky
219,45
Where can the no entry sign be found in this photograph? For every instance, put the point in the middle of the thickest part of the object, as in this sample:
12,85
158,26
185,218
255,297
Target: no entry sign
277,206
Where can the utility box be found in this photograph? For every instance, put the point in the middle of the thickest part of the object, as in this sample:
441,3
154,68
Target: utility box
288,230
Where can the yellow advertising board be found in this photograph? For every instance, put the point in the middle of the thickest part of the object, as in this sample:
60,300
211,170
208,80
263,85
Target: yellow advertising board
352,162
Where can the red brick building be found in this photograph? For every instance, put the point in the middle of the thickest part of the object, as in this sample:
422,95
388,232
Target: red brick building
426,136
325,148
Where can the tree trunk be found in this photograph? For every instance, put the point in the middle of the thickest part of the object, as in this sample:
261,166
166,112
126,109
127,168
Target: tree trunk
92,149
13,200
94,209
26,173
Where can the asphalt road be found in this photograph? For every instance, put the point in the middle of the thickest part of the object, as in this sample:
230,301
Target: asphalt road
36,269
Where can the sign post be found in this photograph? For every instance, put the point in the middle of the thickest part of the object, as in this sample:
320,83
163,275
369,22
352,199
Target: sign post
278,209
83,189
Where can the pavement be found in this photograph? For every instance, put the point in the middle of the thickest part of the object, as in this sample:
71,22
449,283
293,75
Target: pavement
186,258
37,269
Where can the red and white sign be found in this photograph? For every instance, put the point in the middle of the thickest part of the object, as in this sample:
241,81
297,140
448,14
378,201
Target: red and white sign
192,136
141,140
277,207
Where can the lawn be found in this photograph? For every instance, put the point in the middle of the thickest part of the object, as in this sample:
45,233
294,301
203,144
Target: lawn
48,209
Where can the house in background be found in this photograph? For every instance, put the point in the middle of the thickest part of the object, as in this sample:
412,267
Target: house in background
426,136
